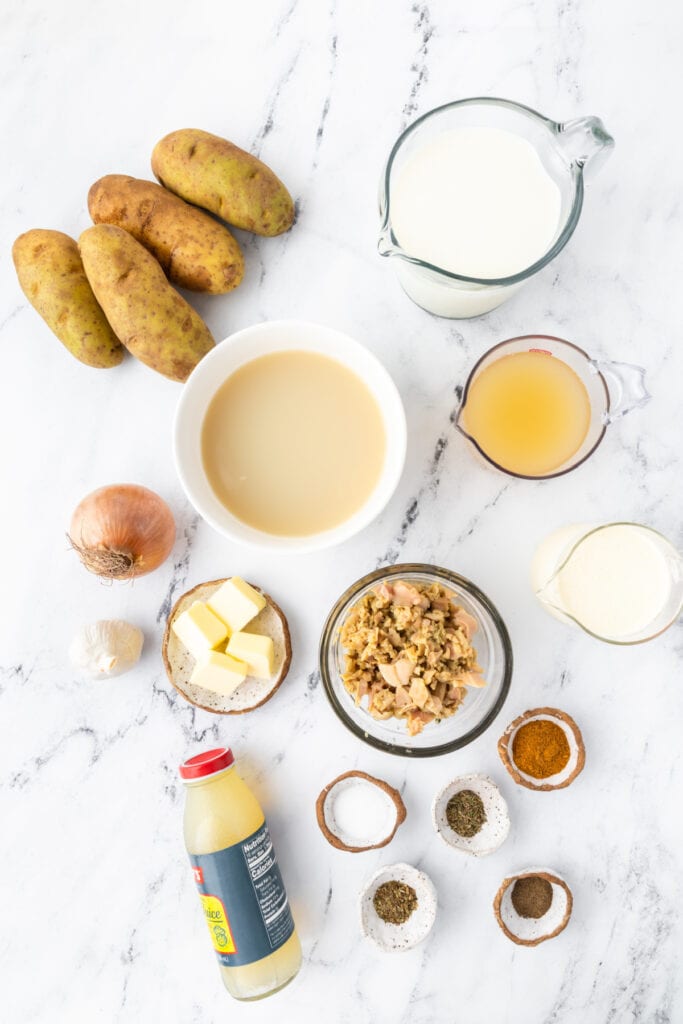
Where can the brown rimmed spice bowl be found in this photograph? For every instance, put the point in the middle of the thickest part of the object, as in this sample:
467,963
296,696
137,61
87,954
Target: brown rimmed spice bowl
531,931
577,750
334,810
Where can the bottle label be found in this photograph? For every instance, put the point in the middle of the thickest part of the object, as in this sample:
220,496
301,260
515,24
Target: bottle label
244,899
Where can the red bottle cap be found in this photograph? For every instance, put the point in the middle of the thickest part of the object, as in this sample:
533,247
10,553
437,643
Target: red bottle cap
208,763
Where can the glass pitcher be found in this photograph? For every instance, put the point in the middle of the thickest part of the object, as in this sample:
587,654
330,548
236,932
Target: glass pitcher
566,150
613,389
619,582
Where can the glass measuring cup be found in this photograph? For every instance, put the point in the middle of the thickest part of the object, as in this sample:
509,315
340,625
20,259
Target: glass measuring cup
613,390
566,150
620,582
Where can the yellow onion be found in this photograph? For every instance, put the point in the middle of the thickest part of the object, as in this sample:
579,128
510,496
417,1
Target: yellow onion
122,531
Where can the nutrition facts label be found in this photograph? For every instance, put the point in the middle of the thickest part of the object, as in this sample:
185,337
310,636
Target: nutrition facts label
244,899
270,891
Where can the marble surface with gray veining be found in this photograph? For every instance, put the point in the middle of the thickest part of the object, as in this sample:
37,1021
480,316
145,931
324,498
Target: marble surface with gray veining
99,920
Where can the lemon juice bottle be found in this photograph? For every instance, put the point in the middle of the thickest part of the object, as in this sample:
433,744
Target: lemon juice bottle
238,878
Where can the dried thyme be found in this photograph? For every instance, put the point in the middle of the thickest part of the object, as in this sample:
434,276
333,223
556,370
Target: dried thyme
465,813
394,902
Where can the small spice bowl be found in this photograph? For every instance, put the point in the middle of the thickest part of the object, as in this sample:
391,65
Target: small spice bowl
531,931
577,750
493,832
394,938
357,812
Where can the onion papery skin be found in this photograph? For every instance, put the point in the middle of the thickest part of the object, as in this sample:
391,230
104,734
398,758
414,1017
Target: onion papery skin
122,531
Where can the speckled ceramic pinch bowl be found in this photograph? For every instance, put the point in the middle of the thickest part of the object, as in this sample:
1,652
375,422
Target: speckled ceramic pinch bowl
394,938
495,829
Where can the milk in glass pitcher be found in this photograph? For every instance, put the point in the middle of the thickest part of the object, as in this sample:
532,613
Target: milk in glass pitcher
479,195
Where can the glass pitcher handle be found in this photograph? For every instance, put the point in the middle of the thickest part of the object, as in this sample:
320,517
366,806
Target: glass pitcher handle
626,385
585,142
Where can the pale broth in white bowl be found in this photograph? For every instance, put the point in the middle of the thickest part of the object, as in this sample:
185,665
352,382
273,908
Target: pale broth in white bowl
289,435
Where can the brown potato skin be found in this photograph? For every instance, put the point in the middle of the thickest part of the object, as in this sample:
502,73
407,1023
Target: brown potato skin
219,176
52,278
151,319
194,251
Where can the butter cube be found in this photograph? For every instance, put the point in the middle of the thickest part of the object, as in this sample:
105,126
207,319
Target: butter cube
236,603
219,673
199,629
256,650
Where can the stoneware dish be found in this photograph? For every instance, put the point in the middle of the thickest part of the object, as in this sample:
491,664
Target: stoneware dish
261,340
394,938
495,829
358,812
577,750
253,692
531,931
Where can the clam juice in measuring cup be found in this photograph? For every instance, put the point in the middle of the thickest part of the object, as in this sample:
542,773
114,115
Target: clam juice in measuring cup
238,879
529,413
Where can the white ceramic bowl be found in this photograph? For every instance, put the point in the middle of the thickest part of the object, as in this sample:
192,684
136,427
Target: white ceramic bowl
496,827
241,348
394,938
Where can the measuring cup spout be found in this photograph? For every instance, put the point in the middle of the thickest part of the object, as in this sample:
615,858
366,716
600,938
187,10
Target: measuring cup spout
456,415
549,595
585,142
385,243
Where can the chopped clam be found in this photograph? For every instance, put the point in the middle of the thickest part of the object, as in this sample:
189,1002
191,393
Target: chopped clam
408,651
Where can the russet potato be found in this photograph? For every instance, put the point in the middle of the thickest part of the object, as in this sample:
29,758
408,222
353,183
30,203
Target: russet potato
194,250
52,277
151,319
219,176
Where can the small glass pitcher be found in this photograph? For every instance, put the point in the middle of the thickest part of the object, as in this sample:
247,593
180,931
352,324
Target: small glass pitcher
572,583
567,151
613,390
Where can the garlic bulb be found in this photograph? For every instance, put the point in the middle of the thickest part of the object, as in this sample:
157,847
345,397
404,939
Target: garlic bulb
108,647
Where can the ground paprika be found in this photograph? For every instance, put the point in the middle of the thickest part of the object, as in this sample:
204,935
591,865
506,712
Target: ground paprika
540,748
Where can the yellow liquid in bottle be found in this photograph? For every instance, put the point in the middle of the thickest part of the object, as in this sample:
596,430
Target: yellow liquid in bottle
221,810
529,412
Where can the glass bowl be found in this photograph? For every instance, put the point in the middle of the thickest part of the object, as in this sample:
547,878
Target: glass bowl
480,707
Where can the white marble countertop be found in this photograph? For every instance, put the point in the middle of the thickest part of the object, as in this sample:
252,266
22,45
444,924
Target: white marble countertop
100,921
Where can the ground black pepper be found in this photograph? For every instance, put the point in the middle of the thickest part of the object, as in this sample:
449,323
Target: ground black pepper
531,896
465,813
394,901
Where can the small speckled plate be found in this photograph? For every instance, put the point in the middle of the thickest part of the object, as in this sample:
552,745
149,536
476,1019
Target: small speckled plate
495,829
253,692
394,938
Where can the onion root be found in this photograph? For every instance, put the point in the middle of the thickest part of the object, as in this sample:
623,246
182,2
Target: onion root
105,562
